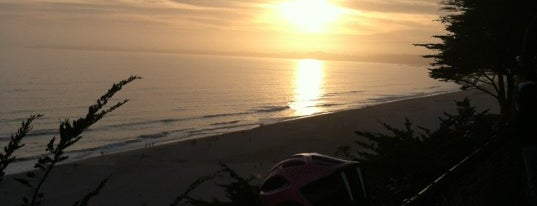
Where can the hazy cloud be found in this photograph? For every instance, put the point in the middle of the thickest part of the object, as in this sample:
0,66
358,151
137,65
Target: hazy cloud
212,13
170,23
396,6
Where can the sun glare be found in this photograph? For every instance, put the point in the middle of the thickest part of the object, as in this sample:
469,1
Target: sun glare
308,86
312,16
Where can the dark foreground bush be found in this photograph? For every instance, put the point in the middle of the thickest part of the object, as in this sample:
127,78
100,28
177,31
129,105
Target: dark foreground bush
238,192
400,163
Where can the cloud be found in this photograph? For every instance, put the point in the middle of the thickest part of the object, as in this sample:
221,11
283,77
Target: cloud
203,14
201,22
395,6
207,13
221,4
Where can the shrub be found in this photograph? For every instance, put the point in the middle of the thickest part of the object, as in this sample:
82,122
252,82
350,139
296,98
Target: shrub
239,191
400,163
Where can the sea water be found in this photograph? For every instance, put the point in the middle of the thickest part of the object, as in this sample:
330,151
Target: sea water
183,96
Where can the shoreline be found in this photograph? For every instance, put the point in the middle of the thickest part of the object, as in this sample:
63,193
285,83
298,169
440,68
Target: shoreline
26,163
155,175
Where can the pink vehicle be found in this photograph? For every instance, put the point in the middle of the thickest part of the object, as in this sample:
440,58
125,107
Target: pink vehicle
311,179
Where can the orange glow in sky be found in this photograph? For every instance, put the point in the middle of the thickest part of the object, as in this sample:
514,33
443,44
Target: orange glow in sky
341,27
312,16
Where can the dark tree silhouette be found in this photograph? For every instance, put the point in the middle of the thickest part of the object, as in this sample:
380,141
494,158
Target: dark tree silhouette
481,44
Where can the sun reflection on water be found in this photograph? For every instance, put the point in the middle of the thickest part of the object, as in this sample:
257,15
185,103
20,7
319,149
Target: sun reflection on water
308,86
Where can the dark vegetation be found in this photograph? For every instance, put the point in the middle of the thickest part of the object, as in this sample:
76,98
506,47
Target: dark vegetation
494,176
400,163
240,191
482,42
69,133
14,144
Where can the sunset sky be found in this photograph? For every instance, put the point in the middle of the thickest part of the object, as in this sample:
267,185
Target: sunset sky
349,27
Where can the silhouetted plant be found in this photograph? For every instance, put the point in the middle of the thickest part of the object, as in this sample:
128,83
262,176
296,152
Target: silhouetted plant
185,195
14,144
70,133
85,200
403,161
239,191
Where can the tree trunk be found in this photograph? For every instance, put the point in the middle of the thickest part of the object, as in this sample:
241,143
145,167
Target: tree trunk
510,94
502,101
506,95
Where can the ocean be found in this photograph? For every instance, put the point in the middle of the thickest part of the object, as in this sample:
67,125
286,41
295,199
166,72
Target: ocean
183,97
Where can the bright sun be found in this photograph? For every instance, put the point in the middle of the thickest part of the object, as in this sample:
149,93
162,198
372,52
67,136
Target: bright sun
311,16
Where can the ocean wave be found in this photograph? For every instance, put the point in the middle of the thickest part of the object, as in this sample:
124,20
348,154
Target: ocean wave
270,109
223,115
343,93
433,87
42,132
172,120
17,90
387,98
224,123
72,153
327,105
212,129
162,134
127,124
33,133
179,109
154,136
16,119
133,124
267,121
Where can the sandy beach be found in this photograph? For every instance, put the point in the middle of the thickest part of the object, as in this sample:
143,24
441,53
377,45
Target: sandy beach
156,175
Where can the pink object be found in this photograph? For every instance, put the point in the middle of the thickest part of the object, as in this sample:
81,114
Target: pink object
313,179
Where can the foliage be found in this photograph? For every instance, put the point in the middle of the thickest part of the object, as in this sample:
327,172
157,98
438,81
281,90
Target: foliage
15,143
483,38
398,164
85,200
239,191
70,133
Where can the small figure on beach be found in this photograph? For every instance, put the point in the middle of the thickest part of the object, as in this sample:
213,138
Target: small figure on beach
526,116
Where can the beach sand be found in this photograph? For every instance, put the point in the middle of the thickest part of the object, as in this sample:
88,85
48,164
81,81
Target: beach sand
156,175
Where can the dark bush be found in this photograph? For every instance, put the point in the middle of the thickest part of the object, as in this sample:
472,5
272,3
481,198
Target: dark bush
398,164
